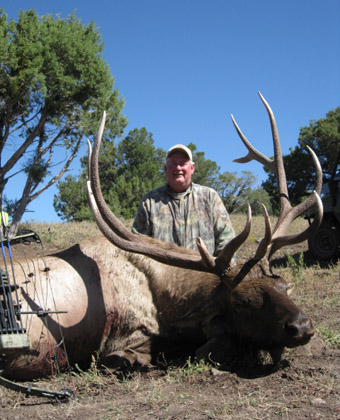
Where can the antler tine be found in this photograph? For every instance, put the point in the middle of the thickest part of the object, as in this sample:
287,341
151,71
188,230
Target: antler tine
318,171
253,154
109,218
225,256
285,205
294,212
89,147
265,242
208,259
282,241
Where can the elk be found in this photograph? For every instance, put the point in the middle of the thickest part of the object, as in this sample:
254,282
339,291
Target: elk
128,296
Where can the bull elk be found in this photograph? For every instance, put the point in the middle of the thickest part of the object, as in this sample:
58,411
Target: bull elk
126,293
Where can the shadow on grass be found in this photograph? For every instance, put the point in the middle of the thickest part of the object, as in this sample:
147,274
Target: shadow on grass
308,259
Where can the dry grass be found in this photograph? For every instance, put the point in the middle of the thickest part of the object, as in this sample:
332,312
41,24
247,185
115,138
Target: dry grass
62,235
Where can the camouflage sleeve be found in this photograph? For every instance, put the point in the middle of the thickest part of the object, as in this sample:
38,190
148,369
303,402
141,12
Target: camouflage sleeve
141,223
223,228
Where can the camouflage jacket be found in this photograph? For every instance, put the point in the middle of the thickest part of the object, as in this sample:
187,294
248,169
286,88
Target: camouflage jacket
182,217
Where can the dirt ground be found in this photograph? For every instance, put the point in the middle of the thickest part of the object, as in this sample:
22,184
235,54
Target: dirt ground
305,386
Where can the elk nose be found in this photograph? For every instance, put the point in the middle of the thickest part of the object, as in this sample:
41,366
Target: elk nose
300,328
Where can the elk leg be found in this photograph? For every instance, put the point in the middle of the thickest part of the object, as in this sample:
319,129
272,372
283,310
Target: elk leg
124,359
276,354
218,349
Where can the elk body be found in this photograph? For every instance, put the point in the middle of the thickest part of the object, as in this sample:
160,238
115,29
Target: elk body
125,293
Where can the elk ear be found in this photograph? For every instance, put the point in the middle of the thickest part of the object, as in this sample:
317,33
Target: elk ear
290,288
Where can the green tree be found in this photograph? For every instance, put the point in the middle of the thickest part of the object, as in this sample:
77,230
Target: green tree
135,166
71,201
54,85
206,170
323,136
126,173
237,192
74,194
140,169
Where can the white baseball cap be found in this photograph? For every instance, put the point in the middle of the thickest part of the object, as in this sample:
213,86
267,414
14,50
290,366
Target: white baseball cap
180,148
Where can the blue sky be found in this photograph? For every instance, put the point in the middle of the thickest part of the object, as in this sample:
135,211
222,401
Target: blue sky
184,66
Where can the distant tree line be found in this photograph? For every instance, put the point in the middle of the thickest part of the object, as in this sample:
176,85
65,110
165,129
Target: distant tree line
135,166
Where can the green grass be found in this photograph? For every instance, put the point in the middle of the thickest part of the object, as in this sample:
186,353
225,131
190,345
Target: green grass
190,369
296,266
331,337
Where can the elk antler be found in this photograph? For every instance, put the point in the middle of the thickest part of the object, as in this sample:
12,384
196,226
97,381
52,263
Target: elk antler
287,213
120,236
109,218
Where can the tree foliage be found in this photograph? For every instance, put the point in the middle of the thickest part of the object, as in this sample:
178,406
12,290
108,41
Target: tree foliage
54,85
206,170
323,136
237,192
135,166
127,172
140,169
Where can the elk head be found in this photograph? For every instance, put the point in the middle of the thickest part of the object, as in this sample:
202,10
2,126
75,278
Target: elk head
253,304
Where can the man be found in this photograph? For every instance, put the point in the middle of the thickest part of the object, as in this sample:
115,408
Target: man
181,211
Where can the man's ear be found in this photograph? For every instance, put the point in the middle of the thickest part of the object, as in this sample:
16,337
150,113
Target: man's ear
193,167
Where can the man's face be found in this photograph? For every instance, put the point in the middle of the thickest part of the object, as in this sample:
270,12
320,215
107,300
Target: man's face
178,170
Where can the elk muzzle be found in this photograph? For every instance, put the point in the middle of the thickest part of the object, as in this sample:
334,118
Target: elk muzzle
299,331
